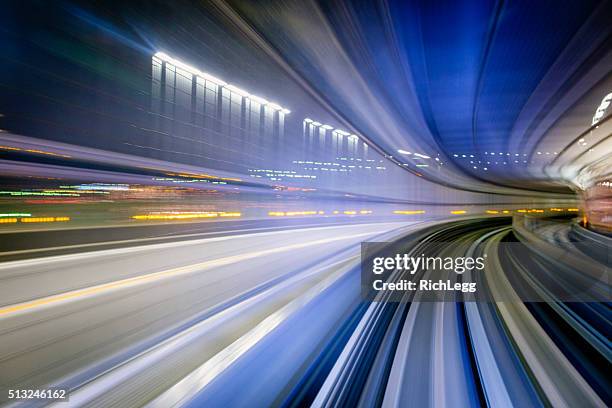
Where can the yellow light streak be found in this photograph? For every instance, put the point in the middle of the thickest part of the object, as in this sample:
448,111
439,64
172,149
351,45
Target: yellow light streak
44,219
409,212
156,276
185,216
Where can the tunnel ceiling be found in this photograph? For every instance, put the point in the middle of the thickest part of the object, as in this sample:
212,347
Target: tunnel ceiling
477,85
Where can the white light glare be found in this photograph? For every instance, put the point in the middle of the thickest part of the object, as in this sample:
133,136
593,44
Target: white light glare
232,88
274,106
237,90
403,151
259,100
601,109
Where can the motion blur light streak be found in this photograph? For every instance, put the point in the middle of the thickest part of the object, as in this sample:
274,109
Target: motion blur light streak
192,195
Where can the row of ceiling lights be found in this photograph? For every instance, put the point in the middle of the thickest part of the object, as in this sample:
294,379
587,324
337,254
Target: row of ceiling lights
194,71
329,127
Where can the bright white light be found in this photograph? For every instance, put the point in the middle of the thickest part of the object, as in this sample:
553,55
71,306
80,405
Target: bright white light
422,156
259,100
601,109
208,77
189,68
403,151
274,106
326,127
308,120
211,78
237,90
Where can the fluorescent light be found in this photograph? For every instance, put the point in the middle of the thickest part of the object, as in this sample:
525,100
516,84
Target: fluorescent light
259,100
403,151
211,78
189,68
237,90
208,77
274,106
